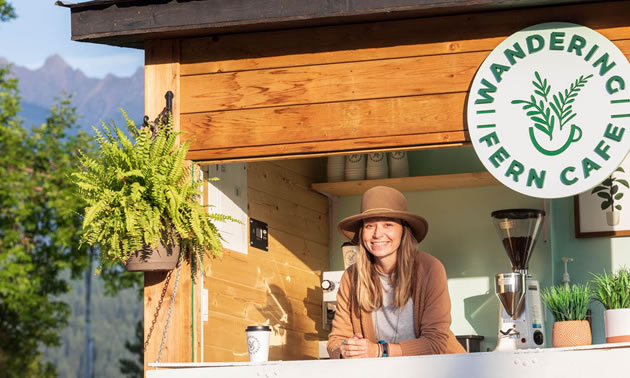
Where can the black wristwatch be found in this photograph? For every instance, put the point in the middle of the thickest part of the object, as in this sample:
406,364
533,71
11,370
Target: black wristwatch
385,348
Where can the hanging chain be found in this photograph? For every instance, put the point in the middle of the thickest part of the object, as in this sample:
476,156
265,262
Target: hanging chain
170,307
157,310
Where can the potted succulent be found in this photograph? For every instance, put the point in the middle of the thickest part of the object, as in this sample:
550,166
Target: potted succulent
609,191
142,206
613,291
569,304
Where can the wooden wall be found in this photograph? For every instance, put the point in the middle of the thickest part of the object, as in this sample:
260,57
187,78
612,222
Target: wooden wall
380,85
180,345
280,287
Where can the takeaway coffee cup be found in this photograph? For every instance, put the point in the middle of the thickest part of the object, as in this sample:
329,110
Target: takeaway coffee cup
258,343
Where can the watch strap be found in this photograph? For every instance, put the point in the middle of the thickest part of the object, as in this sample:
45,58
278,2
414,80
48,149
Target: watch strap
385,348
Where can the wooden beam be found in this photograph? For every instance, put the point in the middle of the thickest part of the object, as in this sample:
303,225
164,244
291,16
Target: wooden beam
128,23
162,75
317,84
327,148
372,119
409,184
388,39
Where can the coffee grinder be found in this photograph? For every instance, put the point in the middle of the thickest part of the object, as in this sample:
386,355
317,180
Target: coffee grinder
521,317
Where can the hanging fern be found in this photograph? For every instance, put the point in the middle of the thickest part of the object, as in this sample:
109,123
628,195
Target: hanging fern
140,193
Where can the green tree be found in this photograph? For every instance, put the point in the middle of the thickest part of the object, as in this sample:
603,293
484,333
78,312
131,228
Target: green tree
6,11
39,225
134,368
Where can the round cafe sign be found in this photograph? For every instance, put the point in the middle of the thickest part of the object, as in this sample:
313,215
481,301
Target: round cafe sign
549,108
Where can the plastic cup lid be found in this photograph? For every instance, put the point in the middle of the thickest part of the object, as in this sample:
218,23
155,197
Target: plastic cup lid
257,328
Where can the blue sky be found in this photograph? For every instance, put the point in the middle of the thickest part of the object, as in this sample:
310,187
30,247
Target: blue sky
43,29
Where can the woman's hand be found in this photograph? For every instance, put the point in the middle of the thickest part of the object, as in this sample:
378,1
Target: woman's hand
358,347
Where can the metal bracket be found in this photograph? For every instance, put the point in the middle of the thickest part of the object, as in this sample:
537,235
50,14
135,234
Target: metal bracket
162,118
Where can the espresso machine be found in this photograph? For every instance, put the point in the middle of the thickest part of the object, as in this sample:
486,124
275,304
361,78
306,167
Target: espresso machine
521,323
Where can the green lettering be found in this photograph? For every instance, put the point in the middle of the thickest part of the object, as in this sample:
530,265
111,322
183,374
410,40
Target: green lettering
613,132
591,52
498,157
577,43
555,42
619,80
603,60
498,70
490,139
483,92
602,150
588,165
517,52
530,43
533,177
563,176
515,169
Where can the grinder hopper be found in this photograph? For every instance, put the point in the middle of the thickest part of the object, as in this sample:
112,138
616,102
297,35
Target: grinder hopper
518,230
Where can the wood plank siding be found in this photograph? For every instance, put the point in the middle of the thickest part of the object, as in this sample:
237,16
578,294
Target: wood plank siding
180,345
279,287
384,85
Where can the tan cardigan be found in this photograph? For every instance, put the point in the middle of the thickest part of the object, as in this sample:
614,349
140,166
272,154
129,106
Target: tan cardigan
432,313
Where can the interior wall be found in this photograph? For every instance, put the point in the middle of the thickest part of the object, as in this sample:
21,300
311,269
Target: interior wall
462,236
279,287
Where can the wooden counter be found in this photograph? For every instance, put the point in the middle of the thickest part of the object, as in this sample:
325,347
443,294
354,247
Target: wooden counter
588,361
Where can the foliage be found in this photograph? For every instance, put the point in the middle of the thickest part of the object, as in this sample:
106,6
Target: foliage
609,190
113,321
130,368
561,106
139,194
567,303
38,230
7,11
613,290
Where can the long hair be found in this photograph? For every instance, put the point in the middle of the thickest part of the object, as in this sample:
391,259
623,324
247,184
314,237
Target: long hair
369,291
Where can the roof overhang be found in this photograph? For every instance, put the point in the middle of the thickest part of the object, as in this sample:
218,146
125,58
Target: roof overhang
128,23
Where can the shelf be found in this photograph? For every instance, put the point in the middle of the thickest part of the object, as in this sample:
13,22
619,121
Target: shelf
408,184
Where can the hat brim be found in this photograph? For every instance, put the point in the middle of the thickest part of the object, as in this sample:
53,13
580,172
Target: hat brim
349,226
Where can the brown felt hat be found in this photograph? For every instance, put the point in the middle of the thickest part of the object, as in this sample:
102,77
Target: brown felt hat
383,202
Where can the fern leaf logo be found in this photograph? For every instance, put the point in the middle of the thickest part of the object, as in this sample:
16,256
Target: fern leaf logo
550,115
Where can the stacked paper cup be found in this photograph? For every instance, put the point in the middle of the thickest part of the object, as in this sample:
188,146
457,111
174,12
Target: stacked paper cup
335,168
355,167
398,164
377,166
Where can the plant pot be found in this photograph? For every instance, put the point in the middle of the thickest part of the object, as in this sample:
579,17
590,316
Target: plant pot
612,218
571,333
617,323
162,258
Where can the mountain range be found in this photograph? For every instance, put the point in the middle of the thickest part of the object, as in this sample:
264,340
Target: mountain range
96,100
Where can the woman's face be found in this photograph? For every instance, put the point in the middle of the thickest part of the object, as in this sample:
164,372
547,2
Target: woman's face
382,236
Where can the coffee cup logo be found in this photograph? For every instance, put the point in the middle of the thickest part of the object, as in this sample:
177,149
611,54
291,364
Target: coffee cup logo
548,110
253,345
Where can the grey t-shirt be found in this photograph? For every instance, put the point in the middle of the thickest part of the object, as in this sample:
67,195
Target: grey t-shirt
391,323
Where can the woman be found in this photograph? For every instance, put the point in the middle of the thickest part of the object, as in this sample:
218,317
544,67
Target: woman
394,300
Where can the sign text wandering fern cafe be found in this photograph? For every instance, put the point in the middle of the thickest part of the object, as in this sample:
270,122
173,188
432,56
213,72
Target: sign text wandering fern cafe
549,109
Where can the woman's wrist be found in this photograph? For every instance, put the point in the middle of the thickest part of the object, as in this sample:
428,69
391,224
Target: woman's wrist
384,346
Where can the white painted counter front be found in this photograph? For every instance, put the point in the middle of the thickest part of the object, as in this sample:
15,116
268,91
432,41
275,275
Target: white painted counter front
593,361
